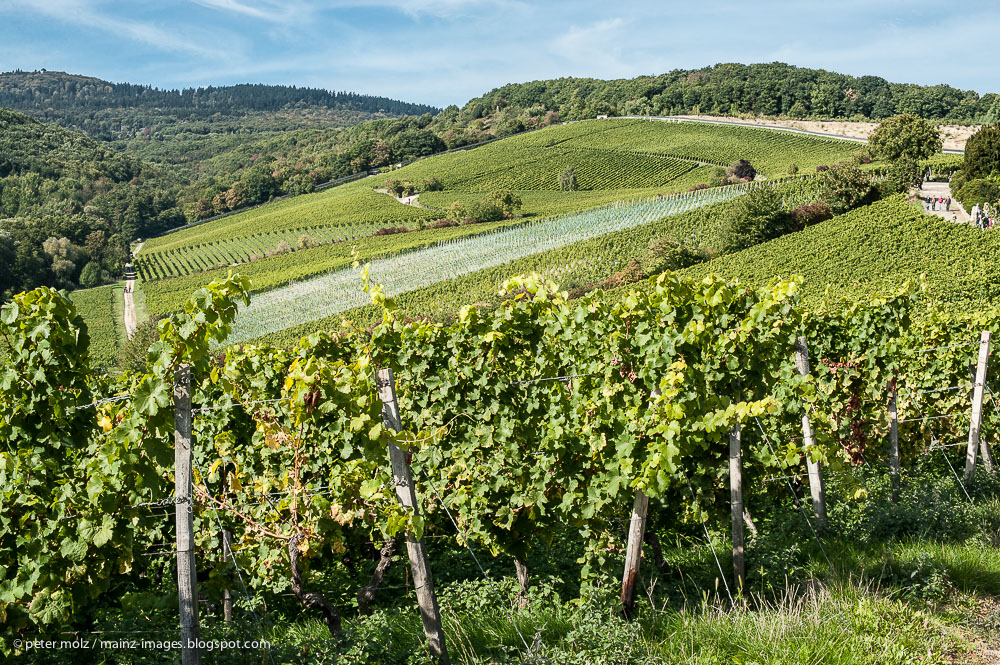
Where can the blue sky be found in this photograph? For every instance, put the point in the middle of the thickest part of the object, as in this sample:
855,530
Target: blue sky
446,51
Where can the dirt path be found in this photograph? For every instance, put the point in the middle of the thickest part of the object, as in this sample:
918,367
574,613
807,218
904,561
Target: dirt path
130,318
937,190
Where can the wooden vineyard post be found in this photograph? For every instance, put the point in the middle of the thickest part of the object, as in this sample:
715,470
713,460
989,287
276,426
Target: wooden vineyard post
227,597
736,502
423,584
894,447
978,389
986,453
633,553
633,550
187,581
809,442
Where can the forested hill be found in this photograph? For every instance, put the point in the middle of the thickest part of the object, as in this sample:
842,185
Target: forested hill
731,89
69,206
109,111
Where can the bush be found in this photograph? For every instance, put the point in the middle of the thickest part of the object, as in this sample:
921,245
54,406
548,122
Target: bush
793,169
697,187
457,211
432,184
809,214
308,242
844,187
391,230
742,170
666,254
755,217
132,356
443,223
718,177
281,248
904,174
567,179
972,193
822,168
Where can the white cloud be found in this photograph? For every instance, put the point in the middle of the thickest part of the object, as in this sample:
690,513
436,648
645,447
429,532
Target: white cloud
438,8
267,10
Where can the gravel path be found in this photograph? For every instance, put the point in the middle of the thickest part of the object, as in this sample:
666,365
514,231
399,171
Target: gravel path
130,318
942,190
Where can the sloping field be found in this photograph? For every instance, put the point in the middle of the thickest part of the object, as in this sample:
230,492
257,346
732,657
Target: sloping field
344,206
612,154
873,250
448,264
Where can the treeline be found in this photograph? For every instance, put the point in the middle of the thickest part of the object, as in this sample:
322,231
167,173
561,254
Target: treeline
69,206
59,90
773,89
134,115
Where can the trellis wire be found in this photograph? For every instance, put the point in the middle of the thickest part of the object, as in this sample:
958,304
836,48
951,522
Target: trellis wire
794,496
568,377
715,556
105,400
465,541
239,575
941,348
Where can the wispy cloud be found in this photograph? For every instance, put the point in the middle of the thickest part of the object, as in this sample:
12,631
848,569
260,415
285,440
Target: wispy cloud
266,10
81,13
448,9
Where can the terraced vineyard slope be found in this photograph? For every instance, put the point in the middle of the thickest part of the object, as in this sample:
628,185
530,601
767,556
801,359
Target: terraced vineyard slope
873,250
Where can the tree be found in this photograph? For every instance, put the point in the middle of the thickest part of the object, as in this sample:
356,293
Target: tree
505,200
567,179
91,275
982,153
844,187
742,170
755,217
904,137
904,174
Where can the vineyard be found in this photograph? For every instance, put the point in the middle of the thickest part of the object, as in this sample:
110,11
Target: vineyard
538,418
871,250
354,204
190,259
613,159
337,292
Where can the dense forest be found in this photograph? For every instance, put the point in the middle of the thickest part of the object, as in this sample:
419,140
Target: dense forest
109,111
69,206
773,89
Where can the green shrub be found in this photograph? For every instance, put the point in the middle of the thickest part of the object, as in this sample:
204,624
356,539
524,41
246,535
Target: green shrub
976,192
666,254
845,187
754,218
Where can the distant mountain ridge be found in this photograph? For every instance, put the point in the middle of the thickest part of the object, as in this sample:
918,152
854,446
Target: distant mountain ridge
22,90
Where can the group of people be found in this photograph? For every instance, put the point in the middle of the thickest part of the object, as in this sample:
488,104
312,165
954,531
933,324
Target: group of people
984,217
937,203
